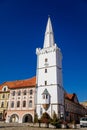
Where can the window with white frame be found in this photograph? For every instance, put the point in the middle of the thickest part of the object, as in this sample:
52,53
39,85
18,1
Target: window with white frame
12,104
18,103
31,92
24,103
30,103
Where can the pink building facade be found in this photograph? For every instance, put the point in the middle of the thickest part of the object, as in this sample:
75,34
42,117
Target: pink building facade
21,106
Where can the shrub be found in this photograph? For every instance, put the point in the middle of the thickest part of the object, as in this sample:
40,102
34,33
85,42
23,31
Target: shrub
45,119
55,121
35,118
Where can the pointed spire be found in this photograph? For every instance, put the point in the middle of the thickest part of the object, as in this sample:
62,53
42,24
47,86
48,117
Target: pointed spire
49,36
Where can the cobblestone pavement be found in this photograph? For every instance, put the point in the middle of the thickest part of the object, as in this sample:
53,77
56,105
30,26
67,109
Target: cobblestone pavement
16,126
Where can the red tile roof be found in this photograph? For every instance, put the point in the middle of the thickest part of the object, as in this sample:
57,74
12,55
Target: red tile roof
69,96
1,87
20,83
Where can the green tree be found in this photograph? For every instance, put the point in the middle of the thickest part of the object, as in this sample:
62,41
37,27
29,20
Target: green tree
55,120
45,119
35,118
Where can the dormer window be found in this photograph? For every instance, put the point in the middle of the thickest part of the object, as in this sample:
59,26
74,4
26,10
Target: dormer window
4,88
45,96
46,99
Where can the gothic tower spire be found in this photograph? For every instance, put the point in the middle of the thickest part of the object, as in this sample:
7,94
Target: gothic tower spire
49,90
49,35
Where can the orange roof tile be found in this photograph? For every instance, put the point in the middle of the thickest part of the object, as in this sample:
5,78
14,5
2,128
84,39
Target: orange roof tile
69,96
20,83
1,87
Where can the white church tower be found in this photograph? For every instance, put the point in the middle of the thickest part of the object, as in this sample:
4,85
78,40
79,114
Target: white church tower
50,92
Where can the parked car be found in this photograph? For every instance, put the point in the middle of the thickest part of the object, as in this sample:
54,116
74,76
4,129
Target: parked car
83,122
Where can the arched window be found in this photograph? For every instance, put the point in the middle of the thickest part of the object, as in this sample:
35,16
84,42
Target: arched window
31,92
24,103
30,103
24,92
12,104
18,103
19,93
4,88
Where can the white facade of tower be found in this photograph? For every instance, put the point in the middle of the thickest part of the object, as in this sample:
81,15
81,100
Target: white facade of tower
49,90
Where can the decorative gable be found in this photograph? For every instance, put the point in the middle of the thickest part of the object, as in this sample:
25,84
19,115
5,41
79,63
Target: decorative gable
5,88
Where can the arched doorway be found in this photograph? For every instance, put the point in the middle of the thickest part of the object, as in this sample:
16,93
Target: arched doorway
27,118
14,118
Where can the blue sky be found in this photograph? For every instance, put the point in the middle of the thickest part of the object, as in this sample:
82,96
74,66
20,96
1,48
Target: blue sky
22,27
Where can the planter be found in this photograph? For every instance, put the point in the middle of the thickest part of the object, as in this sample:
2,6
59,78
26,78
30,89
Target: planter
63,126
73,126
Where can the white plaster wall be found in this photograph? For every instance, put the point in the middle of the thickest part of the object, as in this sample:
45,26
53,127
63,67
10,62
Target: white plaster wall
51,56
52,91
53,78
50,76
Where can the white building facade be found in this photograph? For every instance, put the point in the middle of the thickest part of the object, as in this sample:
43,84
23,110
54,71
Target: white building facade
49,90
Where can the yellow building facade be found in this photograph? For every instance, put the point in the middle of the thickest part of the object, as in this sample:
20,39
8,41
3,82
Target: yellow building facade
4,96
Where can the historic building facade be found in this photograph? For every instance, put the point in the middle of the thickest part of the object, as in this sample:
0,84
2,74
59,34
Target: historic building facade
4,97
50,92
73,109
84,103
21,106
21,99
